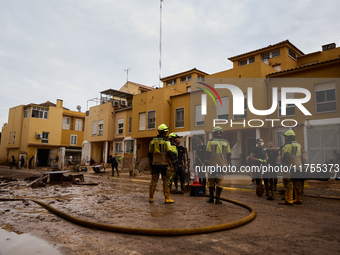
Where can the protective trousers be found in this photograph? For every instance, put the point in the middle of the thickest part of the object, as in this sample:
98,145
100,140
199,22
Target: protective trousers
296,186
166,186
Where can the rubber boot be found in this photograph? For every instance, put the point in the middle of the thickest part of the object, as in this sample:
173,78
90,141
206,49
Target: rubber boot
151,193
289,197
211,193
167,195
297,200
218,195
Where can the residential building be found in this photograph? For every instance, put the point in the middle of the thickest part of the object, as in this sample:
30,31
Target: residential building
44,131
108,125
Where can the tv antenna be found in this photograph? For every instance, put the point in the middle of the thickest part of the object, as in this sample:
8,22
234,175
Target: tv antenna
127,74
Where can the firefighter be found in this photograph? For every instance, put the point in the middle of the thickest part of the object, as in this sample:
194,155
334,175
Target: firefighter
173,168
160,157
181,165
292,155
217,153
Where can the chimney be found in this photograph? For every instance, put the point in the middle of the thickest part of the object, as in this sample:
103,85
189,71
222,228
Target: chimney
59,103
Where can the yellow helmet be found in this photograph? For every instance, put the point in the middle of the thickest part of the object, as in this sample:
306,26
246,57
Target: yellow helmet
172,135
217,130
163,128
289,133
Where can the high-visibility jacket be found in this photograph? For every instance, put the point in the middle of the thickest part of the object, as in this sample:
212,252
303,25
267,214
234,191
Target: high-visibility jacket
160,151
291,154
217,150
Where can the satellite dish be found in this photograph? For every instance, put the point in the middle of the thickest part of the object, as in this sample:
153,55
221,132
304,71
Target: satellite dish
78,108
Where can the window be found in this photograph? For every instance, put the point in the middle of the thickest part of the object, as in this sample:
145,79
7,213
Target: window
244,116
118,147
290,108
14,136
120,129
291,54
186,78
246,61
325,97
142,116
10,134
172,82
39,112
128,146
45,136
222,111
94,127
66,123
73,139
79,125
151,119
277,67
100,127
200,78
199,118
25,112
275,53
189,89
130,124
271,54
179,117
279,138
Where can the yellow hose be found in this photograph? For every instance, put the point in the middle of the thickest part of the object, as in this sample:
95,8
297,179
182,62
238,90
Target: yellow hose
148,231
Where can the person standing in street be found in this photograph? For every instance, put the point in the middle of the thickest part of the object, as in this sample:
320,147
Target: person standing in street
181,165
292,156
259,157
217,153
160,157
114,165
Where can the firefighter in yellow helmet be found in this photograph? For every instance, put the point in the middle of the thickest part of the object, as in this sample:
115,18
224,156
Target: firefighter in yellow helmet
217,153
292,155
160,157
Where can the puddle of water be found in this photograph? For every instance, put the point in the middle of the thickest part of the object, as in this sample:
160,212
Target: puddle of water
18,244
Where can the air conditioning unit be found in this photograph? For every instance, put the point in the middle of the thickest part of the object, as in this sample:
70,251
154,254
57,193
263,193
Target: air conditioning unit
38,136
266,61
115,103
124,103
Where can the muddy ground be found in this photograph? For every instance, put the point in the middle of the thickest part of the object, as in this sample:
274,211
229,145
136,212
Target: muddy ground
311,228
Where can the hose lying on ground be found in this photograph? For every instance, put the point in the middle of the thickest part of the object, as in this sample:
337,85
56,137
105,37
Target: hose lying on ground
148,231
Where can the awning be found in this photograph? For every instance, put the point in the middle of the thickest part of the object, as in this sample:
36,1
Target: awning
73,150
191,133
119,139
128,138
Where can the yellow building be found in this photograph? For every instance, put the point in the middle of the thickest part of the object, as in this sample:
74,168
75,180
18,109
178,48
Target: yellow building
155,107
41,130
260,70
108,125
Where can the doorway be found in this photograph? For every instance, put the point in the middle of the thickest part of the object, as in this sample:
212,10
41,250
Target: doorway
43,157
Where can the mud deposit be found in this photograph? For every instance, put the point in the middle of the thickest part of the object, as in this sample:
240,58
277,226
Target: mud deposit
312,228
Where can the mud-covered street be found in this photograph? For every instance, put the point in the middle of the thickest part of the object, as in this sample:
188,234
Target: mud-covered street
310,228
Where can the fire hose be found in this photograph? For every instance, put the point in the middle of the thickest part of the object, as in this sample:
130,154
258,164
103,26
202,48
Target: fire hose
148,231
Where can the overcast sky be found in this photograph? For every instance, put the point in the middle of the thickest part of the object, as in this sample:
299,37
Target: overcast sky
72,50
